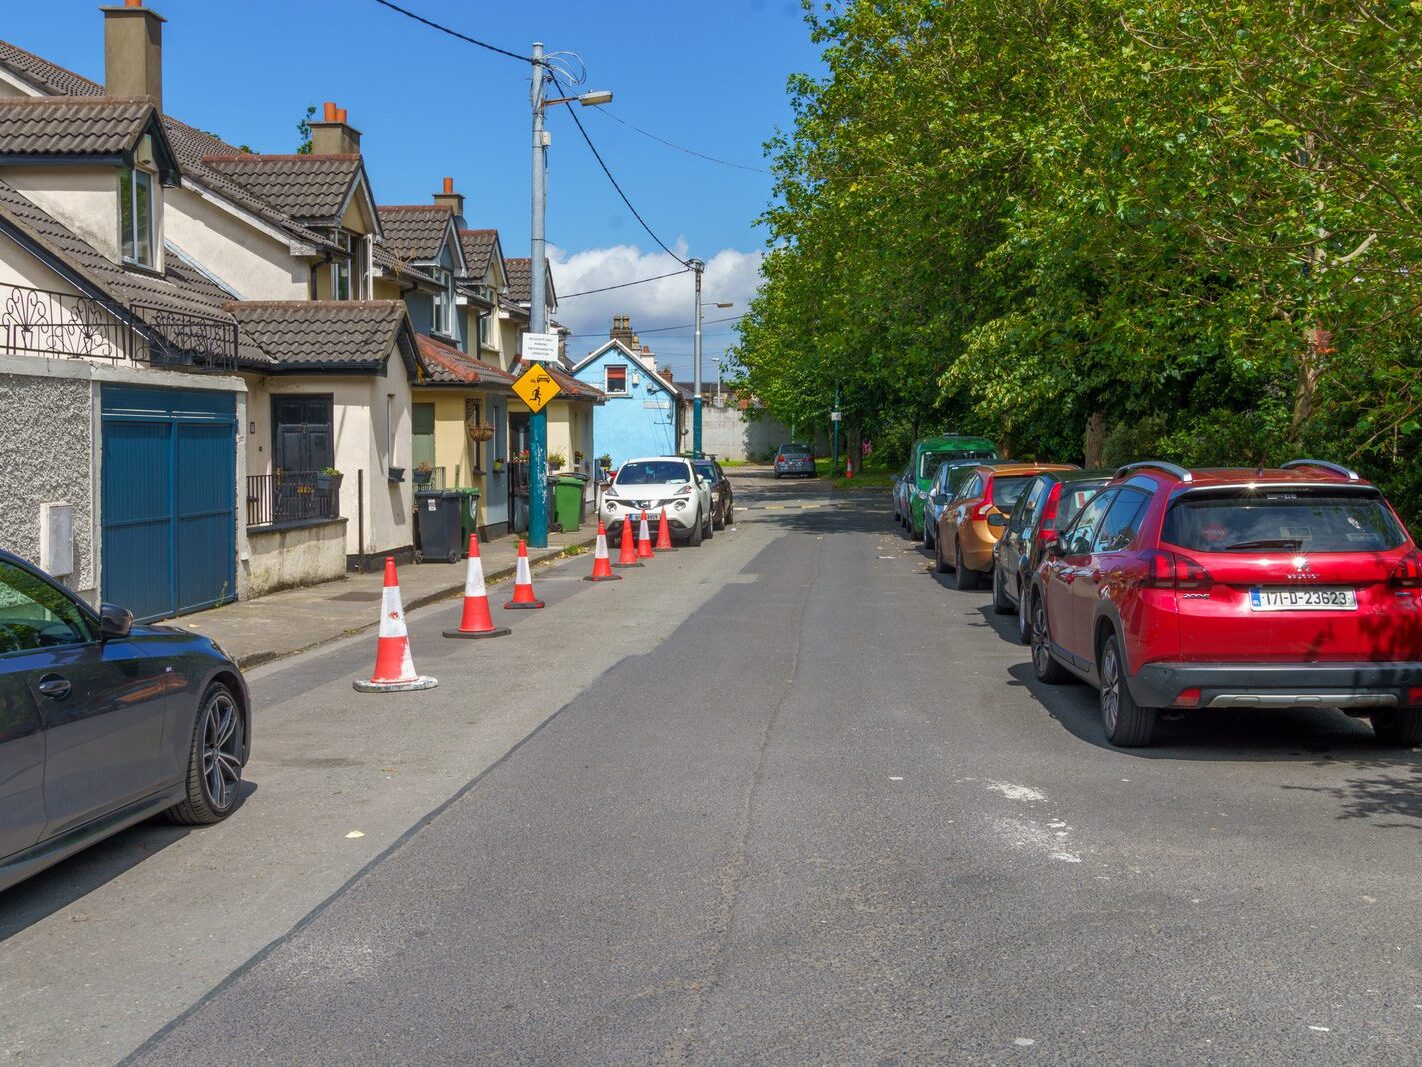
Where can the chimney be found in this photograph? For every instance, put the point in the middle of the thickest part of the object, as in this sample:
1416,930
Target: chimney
333,135
622,331
133,51
647,357
450,199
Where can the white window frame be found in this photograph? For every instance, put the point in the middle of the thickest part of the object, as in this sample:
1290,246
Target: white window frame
626,379
129,235
443,304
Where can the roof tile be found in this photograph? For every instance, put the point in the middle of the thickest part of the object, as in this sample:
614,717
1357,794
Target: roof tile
322,333
451,366
71,125
308,187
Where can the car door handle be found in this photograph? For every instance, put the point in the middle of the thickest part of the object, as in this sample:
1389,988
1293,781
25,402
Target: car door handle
54,687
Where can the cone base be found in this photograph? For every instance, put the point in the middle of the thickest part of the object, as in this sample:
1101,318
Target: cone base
629,564
472,635
395,687
603,578
513,604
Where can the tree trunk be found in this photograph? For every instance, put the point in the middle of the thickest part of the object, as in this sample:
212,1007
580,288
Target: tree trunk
1093,445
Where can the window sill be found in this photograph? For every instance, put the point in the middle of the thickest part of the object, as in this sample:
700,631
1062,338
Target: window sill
142,268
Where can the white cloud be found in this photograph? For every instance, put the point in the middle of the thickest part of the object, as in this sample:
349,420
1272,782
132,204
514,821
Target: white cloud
730,275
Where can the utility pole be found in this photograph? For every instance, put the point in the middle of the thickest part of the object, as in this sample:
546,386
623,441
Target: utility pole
834,429
538,312
698,266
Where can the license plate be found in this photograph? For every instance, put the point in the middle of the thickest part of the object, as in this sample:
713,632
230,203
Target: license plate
1291,599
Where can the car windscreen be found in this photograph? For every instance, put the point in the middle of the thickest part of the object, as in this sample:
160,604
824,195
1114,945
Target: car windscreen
1005,491
1074,497
1290,520
928,462
652,472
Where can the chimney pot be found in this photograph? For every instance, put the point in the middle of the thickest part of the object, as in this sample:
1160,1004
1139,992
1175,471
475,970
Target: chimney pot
133,51
448,198
340,114
448,185
329,111
333,135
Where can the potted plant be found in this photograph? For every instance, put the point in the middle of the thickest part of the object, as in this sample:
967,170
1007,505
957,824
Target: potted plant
577,458
605,461
423,473
498,466
328,478
480,431
556,461
395,474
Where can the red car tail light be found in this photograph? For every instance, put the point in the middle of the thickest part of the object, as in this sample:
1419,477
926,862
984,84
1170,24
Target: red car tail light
1046,535
1169,570
1408,572
1414,696
981,511
1187,698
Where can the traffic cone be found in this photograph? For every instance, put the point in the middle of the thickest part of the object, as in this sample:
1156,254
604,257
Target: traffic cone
602,566
644,539
664,534
627,553
523,582
475,620
394,670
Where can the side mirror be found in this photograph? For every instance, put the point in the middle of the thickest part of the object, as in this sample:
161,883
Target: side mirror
114,621
940,499
997,520
1056,547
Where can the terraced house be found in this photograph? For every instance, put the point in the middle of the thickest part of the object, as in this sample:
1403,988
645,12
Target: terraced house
223,372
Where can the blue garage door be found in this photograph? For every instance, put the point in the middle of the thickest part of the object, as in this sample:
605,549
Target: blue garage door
169,500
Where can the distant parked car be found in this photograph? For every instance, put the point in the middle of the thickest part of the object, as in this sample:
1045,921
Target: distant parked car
1050,501
924,459
966,530
1250,588
794,459
723,504
652,484
902,487
103,723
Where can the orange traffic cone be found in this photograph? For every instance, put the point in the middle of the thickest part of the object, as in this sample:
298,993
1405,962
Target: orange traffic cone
475,620
523,582
602,566
644,540
664,534
394,670
627,553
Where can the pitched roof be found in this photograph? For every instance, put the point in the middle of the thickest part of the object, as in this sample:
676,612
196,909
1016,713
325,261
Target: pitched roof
566,382
180,288
72,125
314,335
308,187
449,366
478,248
414,231
520,272
189,143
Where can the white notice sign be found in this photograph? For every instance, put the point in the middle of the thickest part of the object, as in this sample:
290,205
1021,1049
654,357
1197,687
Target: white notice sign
540,346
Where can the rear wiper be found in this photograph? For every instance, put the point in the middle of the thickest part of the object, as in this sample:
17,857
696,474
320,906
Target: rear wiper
1291,544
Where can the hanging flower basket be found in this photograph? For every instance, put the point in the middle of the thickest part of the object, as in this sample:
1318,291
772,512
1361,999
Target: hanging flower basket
480,431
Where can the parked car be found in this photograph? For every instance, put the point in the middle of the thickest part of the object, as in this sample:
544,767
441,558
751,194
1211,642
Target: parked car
104,724
651,484
966,532
902,486
1253,588
723,504
1050,501
923,462
946,481
794,459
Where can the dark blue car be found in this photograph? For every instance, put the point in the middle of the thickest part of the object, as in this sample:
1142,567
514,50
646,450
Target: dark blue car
103,723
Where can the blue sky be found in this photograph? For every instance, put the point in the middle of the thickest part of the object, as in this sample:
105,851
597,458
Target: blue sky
710,76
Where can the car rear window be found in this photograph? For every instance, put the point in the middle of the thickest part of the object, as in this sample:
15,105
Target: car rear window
1297,520
1005,491
1074,497
794,450
653,472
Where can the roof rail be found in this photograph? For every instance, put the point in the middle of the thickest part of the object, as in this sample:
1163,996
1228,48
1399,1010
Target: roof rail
1157,464
1322,464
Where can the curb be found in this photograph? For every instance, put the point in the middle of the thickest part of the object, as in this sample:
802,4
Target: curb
258,659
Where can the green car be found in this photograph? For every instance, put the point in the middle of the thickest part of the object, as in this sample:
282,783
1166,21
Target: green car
923,464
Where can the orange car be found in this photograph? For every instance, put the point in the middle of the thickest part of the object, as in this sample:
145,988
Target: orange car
974,519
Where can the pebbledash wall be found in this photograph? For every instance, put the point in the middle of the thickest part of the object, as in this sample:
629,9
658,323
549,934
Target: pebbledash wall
729,433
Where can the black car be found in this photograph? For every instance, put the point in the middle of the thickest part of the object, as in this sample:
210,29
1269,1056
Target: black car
103,723
1048,503
723,502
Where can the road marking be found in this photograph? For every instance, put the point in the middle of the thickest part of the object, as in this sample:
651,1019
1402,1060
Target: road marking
1018,792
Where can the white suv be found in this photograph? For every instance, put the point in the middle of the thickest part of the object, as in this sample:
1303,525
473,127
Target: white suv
654,483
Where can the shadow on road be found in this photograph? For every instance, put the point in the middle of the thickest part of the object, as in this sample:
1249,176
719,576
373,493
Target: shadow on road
75,878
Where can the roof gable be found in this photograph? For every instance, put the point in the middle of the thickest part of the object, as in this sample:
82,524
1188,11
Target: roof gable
316,189
103,130
350,336
419,233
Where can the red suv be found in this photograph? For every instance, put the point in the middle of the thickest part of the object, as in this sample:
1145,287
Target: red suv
1251,588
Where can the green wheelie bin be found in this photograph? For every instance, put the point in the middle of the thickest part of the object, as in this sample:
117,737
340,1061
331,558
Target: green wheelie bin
568,500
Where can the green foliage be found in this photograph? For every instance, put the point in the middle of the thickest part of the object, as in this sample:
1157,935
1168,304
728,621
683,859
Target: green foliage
1201,223
303,130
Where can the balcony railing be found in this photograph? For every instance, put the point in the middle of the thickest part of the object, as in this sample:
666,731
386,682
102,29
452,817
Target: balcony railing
61,325
292,496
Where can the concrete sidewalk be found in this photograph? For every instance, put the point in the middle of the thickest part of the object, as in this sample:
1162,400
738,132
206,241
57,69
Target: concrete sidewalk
294,620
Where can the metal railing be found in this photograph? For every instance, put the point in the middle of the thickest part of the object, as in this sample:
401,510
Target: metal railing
44,323
292,496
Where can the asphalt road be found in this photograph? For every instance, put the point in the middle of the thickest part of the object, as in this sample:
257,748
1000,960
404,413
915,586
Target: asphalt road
795,801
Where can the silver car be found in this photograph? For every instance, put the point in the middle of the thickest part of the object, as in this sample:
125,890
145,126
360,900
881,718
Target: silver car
794,459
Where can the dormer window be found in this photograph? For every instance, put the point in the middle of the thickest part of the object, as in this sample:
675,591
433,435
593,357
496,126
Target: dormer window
444,303
136,237
348,274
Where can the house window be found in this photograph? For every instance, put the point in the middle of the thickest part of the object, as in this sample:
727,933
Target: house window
390,428
616,381
136,241
348,275
484,329
444,304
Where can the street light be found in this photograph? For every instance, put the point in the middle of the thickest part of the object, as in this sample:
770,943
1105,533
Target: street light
699,266
538,313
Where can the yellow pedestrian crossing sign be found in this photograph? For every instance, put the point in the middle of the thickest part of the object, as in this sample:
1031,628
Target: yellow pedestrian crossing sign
535,387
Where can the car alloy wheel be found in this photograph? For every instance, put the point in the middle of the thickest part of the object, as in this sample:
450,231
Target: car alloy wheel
1110,689
221,750
1047,669
1024,622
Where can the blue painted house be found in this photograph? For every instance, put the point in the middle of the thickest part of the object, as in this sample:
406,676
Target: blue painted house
645,412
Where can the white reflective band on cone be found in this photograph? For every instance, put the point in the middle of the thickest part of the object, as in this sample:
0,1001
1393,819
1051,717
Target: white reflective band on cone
392,615
523,577
474,578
